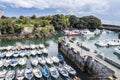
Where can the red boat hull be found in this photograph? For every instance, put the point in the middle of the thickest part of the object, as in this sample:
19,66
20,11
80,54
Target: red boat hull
72,34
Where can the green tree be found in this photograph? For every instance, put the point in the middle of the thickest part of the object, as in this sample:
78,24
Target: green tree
73,20
33,17
21,17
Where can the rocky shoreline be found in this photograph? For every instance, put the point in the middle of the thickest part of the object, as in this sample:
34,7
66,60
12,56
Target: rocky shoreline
28,36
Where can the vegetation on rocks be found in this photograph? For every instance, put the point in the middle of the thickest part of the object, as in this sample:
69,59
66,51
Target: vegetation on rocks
45,26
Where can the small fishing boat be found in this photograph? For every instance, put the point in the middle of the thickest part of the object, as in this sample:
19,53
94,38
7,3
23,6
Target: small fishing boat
2,74
28,73
32,46
41,46
3,54
1,63
71,33
37,73
63,71
54,72
33,52
55,59
45,51
86,32
15,54
9,54
117,50
10,75
102,43
42,60
49,60
13,62
39,52
60,57
70,69
22,54
45,72
28,53
22,61
6,62
20,74
34,61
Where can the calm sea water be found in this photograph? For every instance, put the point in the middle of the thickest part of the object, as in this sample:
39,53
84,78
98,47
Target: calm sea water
52,46
108,51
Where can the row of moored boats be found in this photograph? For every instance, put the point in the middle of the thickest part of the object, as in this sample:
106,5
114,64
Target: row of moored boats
43,71
23,47
85,32
22,53
112,42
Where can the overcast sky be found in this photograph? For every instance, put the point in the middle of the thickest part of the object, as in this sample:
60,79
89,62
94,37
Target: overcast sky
107,10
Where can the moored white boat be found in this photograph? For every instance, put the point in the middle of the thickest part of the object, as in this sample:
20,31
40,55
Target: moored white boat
22,54
10,75
63,71
86,32
2,74
28,73
33,52
39,52
15,54
2,54
54,72
14,62
112,42
20,74
55,59
45,51
69,69
6,62
117,50
42,60
34,61
22,61
41,46
1,63
49,60
101,44
9,54
37,72
32,46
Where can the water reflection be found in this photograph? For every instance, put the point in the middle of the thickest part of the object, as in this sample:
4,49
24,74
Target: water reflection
51,44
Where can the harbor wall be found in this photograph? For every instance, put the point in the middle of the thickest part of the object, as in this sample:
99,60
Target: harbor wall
96,70
112,62
111,27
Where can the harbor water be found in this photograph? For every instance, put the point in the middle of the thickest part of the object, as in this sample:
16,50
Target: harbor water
52,46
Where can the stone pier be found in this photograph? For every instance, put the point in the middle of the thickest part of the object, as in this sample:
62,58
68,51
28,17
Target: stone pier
88,61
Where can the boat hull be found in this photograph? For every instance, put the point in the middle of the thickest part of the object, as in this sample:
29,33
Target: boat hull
45,72
72,34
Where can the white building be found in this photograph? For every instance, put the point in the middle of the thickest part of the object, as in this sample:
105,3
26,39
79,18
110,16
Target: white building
1,13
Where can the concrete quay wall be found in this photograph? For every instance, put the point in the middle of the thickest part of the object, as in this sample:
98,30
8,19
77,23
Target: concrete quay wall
86,62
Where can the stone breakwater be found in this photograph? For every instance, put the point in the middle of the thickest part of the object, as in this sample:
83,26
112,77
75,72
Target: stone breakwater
87,61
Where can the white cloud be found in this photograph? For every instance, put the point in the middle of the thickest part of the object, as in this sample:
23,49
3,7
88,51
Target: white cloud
65,6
